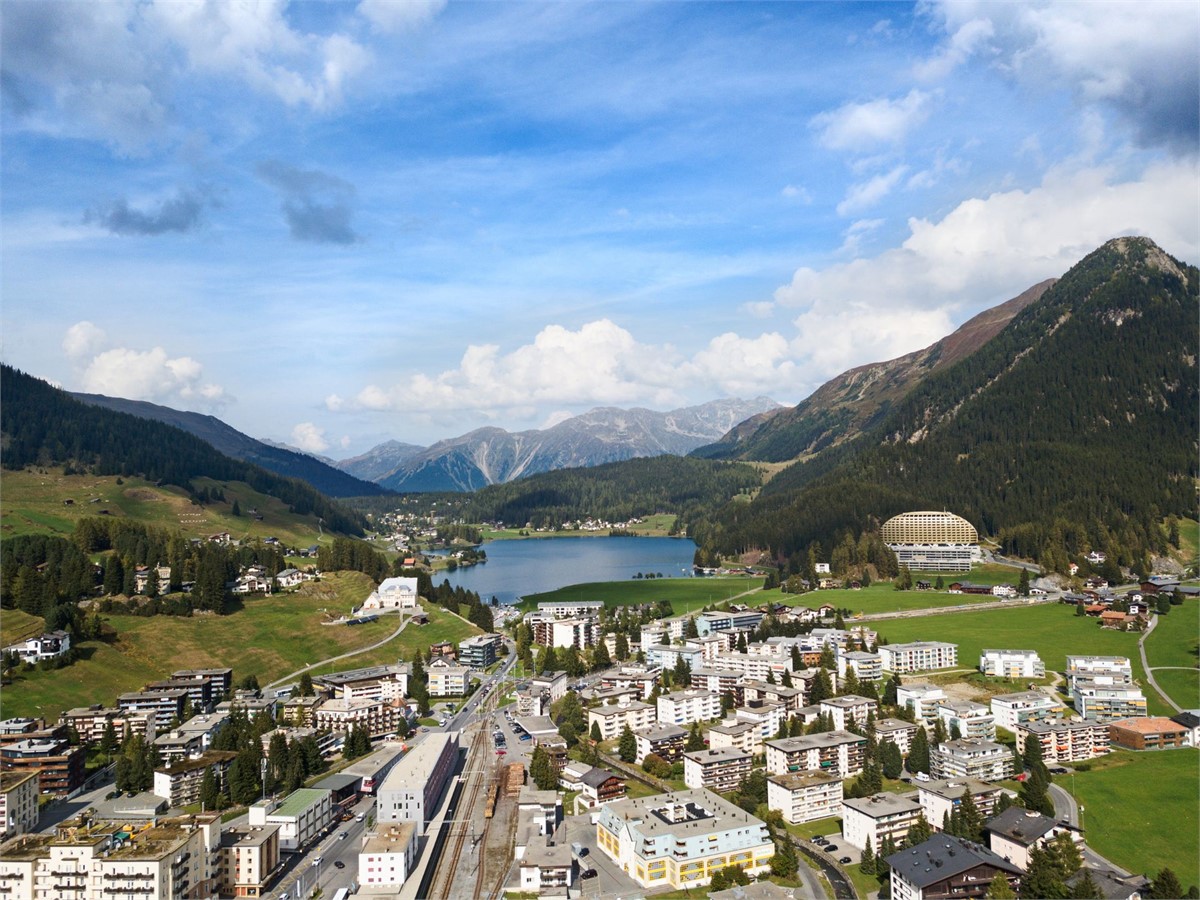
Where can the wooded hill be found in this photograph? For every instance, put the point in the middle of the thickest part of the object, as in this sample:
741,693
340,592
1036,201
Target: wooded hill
1075,427
42,425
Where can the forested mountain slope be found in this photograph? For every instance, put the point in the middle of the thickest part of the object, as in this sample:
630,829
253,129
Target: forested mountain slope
1075,425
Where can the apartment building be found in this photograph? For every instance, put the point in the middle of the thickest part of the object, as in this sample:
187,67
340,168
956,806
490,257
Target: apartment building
248,859
730,620
180,781
849,709
838,753
663,631
877,817
719,681
1107,697
1148,733
940,798
18,803
897,731
643,679
302,817
580,633
480,651
1015,832
718,769
947,866
792,698
662,740
379,717
804,796
199,690
982,760
568,609
614,717
166,705
739,735
220,680
667,656
387,857
411,790
1091,666
973,720
921,700
679,707
1012,664
1067,740
918,656
58,765
1011,711
445,680
546,866
679,839
371,683
865,666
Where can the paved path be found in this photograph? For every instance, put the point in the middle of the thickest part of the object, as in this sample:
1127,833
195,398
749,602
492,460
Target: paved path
1066,809
1146,665
294,675
1012,603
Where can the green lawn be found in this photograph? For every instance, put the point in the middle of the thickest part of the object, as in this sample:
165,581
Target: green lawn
1175,640
17,626
1141,810
1181,685
879,597
268,637
686,594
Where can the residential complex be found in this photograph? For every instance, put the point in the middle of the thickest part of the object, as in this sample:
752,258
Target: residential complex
918,656
940,799
970,719
878,816
982,760
947,866
301,816
1073,740
414,785
718,769
480,651
614,718
1025,708
1155,733
804,796
18,802
387,857
837,753
1107,697
688,706
1012,664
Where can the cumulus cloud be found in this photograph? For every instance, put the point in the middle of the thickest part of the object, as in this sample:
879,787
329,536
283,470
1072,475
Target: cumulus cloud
859,126
983,252
180,213
389,16
744,366
1137,57
309,438
866,194
316,205
139,375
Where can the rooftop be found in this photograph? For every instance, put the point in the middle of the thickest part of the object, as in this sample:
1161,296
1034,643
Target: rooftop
247,835
203,761
11,780
694,812
894,725
661,732
716,755
814,741
944,856
884,804
300,800
413,770
795,781
952,789
545,853
397,837
847,701
1148,725
1021,826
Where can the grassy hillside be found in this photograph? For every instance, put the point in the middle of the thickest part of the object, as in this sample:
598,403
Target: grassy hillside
34,501
268,637
17,626
1175,642
686,594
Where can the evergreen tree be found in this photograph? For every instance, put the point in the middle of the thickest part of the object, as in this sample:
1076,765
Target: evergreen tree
209,790
770,676
795,726
822,687
784,863
850,684
689,628
622,647
889,692
970,820
306,685
114,575
600,657
627,746
595,733
919,832
541,770
695,739
108,740
548,662
1085,888
939,584
891,760
1165,884
1023,583
797,659
918,753
867,860
1000,889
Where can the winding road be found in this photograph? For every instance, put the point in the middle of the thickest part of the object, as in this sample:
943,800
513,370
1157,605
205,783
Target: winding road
375,646
1067,810
1150,672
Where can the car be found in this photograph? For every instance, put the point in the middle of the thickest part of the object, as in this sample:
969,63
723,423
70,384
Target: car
339,864
359,817
589,873
317,861
501,752
285,896
820,839
343,835
845,860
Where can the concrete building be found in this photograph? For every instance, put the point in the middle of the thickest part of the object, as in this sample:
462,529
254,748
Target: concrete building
580,633
567,609
878,816
804,796
729,620
546,867
946,866
982,760
865,666
302,817
1106,698
740,735
791,698
921,700
58,765
180,781
1069,740
445,680
18,803
1147,733
940,799
974,721
249,856
543,808
1016,831
220,680
412,788
838,753
662,740
849,709
167,705
721,681
480,651
386,858
1091,666
552,684
50,645
614,718
89,722
199,691
679,839
897,731
393,593
765,715
1016,664
718,769
918,656
1025,708
383,683
340,716
932,541
642,678
667,656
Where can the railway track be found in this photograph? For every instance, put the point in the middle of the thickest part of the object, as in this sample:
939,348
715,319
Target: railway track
471,786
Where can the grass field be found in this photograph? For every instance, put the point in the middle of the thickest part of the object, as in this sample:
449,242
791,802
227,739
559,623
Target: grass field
35,502
879,597
1175,640
268,637
1181,685
687,595
1140,810
1189,540
17,626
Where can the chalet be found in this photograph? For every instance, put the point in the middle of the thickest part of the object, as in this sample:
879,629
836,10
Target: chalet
1016,831
924,585
968,587
948,866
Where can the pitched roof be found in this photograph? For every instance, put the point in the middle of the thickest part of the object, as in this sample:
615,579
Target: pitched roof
1021,826
942,857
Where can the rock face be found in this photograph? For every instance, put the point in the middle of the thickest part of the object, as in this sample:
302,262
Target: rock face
493,456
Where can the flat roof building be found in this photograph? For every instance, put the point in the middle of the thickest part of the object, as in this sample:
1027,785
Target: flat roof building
412,788
719,769
876,817
804,796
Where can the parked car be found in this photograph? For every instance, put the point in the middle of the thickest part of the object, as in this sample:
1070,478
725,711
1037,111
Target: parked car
845,860
590,873
339,865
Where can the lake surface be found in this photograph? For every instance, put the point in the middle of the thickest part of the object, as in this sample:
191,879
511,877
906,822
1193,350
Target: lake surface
518,568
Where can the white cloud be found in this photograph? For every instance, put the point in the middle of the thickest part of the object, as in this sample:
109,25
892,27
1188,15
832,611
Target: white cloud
866,194
310,438
83,339
857,126
333,403
853,236
151,375
967,38
835,336
389,16
744,366
759,309
345,441
798,193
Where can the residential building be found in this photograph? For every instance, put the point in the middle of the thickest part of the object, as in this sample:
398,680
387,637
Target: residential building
865,666
301,711
1016,831
167,705
1091,666
679,839
877,817
393,593
1067,740
18,802
718,769
379,717
1106,698
739,735
220,680
180,781
667,656
50,645
642,678
663,631
1012,664
837,753
791,698
1189,719
932,541
730,620
412,788
371,683
567,609
546,866
1147,733
599,786
983,760
946,866
543,808
918,656
89,722
765,715
553,684
688,706
753,666
897,731
445,680
387,857
1025,708
973,720
662,740
848,709
302,816
940,799
249,856
480,651
614,717
921,700
804,796
719,681
58,765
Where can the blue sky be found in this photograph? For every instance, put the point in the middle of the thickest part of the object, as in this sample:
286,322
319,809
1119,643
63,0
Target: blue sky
335,224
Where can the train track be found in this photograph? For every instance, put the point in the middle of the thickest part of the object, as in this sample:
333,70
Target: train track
472,783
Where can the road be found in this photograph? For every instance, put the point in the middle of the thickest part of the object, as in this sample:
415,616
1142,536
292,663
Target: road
302,874
391,637
1150,672
1067,810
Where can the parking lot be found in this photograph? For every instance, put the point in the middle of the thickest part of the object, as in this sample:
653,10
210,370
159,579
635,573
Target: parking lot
838,848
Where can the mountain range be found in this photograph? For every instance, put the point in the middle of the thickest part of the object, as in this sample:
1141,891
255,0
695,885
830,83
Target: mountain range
494,456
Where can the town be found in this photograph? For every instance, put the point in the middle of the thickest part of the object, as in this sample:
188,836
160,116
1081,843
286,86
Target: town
597,751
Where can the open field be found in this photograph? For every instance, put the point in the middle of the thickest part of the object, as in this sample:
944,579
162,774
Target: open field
35,503
878,597
1189,540
17,626
1053,630
1140,810
1181,685
687,595
1175,640
268,637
